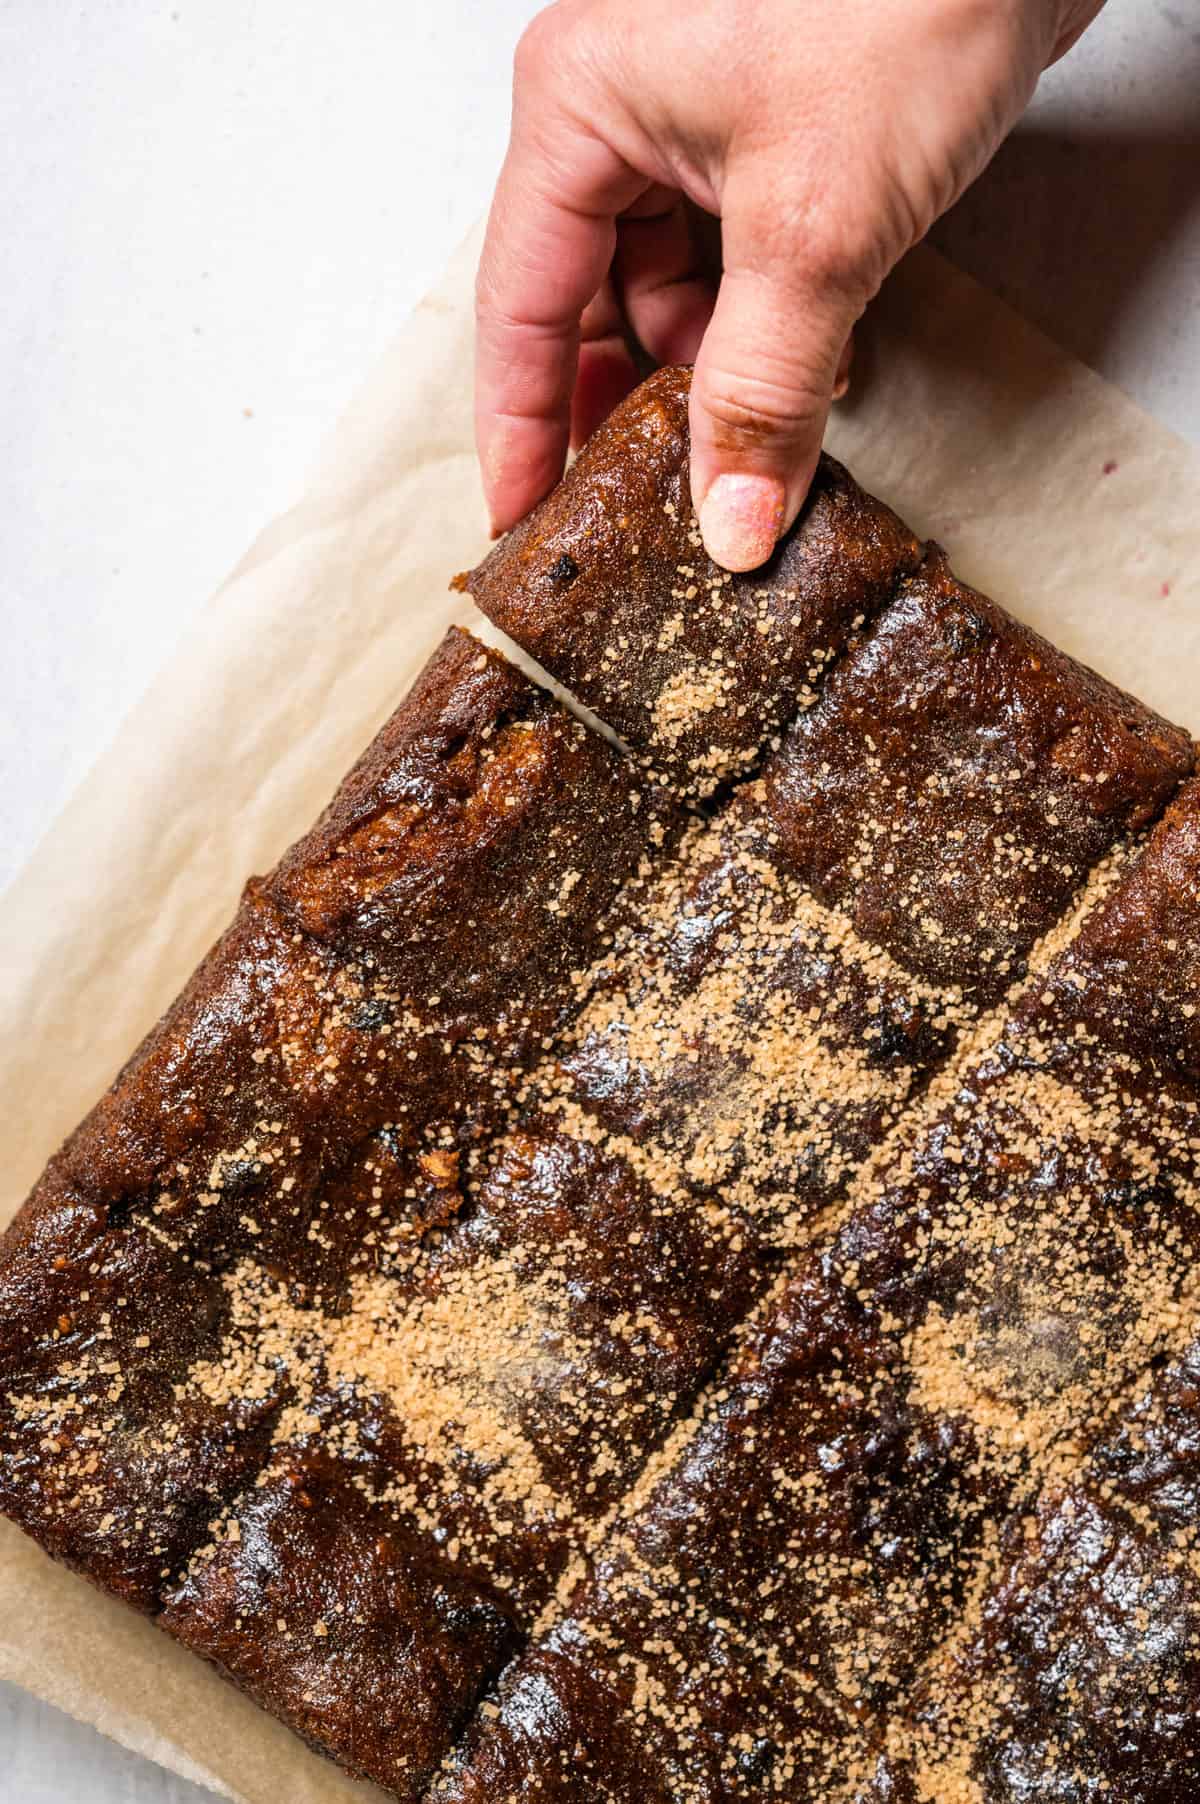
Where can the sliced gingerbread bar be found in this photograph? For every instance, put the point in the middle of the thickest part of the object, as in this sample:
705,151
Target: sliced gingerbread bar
1077,1673
368,1642
300,1119
608,585
957,778
743,1050
771,1593
101,1458
1076,1676
481,804
1134,976
1037,1238
363,990
946,1361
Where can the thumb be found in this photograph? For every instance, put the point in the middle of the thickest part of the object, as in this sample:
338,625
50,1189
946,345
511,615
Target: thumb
764,380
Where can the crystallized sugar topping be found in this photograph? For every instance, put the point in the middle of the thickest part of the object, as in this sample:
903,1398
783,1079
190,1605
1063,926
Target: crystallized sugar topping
750,1315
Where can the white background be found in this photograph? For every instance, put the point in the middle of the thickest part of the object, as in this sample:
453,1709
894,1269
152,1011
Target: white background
213,215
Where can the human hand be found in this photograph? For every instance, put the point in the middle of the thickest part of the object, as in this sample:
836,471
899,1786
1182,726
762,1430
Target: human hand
827,138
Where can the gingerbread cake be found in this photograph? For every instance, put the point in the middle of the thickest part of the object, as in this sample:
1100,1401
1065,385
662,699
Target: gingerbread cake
657,1265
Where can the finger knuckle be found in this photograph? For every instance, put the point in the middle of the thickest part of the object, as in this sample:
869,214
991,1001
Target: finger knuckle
826,245
535,51
850,247
840,253
760,405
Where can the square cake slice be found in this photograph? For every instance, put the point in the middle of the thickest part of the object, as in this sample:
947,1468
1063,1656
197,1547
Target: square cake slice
608,585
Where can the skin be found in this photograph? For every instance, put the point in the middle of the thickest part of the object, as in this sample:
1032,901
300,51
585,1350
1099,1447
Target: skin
826,138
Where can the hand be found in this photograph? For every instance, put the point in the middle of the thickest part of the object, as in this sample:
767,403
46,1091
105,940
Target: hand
827,138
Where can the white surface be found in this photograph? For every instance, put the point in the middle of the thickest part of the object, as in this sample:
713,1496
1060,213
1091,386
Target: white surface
219,205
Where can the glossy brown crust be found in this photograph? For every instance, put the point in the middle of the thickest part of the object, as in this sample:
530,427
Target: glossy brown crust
559,1732
1077,1673
433,1208
863,1470
480,794
362,1641
769,1597
1148,1458
297,1127
324,1016
958,777
607,584
1140,956
1081,1681
98,1457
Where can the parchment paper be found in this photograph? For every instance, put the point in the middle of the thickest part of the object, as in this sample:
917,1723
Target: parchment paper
1053,492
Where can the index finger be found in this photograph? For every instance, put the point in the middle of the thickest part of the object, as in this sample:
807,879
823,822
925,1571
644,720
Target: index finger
550,240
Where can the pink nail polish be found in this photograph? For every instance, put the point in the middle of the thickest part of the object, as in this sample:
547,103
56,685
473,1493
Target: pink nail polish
740,520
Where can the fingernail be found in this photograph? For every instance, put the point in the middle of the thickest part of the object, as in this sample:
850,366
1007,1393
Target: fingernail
740,520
